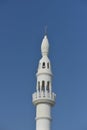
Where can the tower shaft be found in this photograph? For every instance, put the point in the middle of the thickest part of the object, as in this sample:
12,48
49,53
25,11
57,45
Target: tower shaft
43,116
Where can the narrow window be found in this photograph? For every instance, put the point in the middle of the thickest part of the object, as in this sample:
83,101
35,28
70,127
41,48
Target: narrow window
39,86
48,83
43,65
48,89
48,65
47,86
43,86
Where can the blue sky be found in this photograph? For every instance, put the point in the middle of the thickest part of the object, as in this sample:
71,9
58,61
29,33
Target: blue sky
22,25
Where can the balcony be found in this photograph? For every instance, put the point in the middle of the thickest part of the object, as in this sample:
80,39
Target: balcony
43,97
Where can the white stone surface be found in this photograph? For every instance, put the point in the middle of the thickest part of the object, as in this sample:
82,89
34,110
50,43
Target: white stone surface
44,98
45,46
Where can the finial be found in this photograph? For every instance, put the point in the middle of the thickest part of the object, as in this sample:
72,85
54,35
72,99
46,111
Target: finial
45,29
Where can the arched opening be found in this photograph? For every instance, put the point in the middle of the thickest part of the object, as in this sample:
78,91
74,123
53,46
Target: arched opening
43,65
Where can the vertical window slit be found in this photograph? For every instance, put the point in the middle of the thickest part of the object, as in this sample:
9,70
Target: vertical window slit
39,86
48,65
43,65
43,85
48,86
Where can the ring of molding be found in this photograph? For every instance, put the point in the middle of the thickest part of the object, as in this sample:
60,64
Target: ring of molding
48,118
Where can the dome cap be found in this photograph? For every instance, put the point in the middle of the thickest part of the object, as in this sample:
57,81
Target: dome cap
45,46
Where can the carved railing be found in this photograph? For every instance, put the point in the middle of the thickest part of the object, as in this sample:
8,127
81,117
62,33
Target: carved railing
43,95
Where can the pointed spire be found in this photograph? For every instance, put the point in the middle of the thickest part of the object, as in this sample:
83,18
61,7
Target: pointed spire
45,29
45,46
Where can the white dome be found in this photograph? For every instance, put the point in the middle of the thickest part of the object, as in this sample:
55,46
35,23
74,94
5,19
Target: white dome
45,46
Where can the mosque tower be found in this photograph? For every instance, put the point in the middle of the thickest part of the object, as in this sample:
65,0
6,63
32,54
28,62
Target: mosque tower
44,98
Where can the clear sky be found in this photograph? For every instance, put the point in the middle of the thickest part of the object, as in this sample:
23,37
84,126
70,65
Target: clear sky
21,31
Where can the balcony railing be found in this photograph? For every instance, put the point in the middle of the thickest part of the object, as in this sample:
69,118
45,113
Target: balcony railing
43,95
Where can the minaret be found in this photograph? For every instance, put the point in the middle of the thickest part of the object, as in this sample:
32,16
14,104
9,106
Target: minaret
44,98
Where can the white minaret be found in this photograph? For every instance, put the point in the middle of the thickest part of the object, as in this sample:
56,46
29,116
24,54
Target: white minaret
44,98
